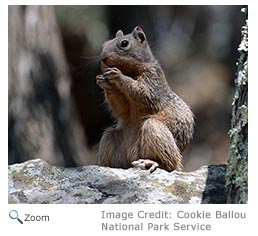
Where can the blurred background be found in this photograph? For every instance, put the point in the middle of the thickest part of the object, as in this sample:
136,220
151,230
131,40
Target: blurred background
56,110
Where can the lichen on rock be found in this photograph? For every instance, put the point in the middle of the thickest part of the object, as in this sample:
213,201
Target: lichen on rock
35,181
237,171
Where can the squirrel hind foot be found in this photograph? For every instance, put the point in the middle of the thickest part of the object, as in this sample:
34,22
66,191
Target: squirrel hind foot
145,164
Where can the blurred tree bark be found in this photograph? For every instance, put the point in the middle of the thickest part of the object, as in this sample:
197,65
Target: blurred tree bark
42,120
237,171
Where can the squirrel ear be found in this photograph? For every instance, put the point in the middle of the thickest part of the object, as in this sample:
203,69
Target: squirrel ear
119,33
139,34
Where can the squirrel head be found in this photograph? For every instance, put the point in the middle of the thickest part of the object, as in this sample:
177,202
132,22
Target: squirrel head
129,53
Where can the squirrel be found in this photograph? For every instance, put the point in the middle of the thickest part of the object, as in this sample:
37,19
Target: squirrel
153,124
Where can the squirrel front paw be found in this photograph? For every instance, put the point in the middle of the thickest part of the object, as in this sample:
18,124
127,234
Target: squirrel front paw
112,74
145,164
102,82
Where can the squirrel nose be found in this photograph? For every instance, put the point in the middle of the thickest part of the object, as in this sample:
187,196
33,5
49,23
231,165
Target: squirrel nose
104,59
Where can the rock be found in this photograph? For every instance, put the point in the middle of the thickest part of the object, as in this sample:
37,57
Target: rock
35,181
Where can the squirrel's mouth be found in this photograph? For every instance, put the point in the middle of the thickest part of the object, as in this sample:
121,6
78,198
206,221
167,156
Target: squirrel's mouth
125,68
110,60
105,63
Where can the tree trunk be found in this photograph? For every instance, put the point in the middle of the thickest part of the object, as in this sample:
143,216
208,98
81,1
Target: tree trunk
237,172
42,119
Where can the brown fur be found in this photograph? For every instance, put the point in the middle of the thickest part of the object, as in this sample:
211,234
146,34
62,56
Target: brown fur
152,121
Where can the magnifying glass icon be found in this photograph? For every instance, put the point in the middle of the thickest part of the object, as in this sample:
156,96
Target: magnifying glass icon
13,214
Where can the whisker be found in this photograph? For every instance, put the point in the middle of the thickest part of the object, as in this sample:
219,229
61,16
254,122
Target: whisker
92,57
85,65
90,64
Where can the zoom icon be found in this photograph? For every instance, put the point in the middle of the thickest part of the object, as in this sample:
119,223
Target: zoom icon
13,214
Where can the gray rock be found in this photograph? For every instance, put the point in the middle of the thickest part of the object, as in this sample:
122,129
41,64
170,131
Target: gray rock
35,181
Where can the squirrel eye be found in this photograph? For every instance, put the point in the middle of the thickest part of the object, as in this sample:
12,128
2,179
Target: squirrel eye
124,43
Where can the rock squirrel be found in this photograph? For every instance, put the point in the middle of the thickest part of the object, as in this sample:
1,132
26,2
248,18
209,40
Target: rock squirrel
153,124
